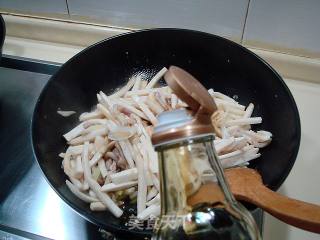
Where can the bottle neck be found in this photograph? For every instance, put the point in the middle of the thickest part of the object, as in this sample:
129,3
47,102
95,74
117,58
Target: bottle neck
217,168
186,169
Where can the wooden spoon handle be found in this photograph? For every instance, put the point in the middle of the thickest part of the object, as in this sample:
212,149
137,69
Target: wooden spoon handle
294,212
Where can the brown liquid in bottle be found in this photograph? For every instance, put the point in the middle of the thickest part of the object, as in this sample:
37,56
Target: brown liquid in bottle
206,221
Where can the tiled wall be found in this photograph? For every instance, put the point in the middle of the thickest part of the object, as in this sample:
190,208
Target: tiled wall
290,26
35,6
223,17
284,25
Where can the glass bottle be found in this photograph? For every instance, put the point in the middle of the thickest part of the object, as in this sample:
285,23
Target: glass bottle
196,202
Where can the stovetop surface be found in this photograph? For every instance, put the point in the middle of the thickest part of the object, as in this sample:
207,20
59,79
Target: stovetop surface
29,207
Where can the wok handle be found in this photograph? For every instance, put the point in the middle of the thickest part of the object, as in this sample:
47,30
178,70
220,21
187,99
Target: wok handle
291,211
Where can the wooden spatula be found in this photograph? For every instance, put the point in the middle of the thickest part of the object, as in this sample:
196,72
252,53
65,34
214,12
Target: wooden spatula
246,185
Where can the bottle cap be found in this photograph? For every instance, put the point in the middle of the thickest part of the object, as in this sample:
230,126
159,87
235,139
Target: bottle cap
175,125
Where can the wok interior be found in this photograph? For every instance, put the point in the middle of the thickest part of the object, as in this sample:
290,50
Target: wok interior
216,62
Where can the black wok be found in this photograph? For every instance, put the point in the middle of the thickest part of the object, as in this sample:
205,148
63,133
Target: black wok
218,63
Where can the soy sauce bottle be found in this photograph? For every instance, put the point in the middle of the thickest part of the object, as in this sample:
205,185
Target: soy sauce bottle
196,202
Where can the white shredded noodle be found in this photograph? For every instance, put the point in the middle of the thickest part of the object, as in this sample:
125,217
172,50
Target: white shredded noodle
110,154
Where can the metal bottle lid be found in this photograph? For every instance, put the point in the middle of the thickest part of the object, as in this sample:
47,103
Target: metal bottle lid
180,124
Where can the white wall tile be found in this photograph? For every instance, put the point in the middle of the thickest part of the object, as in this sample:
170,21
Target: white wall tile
222,17
35,6
284,25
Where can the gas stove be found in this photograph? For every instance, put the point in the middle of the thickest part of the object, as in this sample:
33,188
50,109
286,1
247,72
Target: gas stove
29,207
